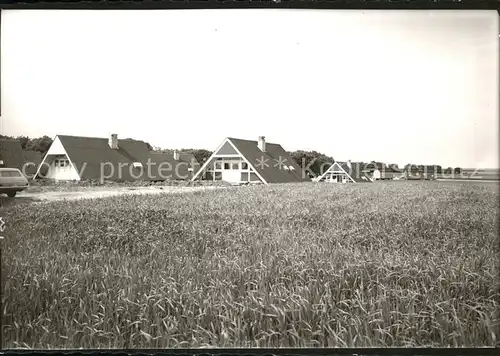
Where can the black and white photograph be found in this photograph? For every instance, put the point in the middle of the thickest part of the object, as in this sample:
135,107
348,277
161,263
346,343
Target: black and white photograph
249,178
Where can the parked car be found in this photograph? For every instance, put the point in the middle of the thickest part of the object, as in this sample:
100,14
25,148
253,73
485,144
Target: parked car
12,181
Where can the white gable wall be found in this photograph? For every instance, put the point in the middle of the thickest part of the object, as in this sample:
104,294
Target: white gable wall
336,174
56,148
227,153
68,172
62,173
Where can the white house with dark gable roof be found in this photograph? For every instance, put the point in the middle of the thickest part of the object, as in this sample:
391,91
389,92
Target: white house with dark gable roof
239,161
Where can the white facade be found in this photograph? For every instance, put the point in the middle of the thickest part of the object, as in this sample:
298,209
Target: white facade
233,170
335,174
376,174
57,163
229,165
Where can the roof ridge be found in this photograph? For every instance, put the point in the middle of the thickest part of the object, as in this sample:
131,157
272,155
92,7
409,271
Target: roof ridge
254,141
101,138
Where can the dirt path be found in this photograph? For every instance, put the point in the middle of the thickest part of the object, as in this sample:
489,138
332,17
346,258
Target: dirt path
104,193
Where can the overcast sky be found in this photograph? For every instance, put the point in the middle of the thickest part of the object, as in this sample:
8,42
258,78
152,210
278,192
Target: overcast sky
395,86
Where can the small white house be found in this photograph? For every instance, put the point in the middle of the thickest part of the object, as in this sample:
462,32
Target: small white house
376,174
238,161
344,172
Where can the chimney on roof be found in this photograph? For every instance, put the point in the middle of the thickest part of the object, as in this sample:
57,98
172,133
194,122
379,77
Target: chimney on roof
262,143
176,155
349,164
113,141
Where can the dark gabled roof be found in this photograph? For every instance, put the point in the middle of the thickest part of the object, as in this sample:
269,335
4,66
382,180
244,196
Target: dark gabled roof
11,153
170,168
32,156
32,160
92,157
355,171
272,171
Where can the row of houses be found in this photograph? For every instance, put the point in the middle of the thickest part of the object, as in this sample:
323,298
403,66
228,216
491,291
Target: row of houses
236,161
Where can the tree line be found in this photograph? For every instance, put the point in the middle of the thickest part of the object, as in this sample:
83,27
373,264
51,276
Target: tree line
39,144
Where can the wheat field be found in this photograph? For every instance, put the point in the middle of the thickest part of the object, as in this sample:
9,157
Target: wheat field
299,265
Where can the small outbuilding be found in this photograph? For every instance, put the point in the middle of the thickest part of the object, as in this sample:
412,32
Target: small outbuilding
381,171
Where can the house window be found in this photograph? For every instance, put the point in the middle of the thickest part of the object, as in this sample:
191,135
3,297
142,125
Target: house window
235,166
244,165
218,165
226,166
218,176
61,163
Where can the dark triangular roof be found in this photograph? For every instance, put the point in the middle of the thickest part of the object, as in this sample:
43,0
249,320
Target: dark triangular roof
92,155
355,171
272,171
166,165
11,153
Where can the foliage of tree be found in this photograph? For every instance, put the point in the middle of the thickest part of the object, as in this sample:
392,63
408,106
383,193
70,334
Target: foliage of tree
378,165
409,166
201,155
39,144
394,166
312,161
